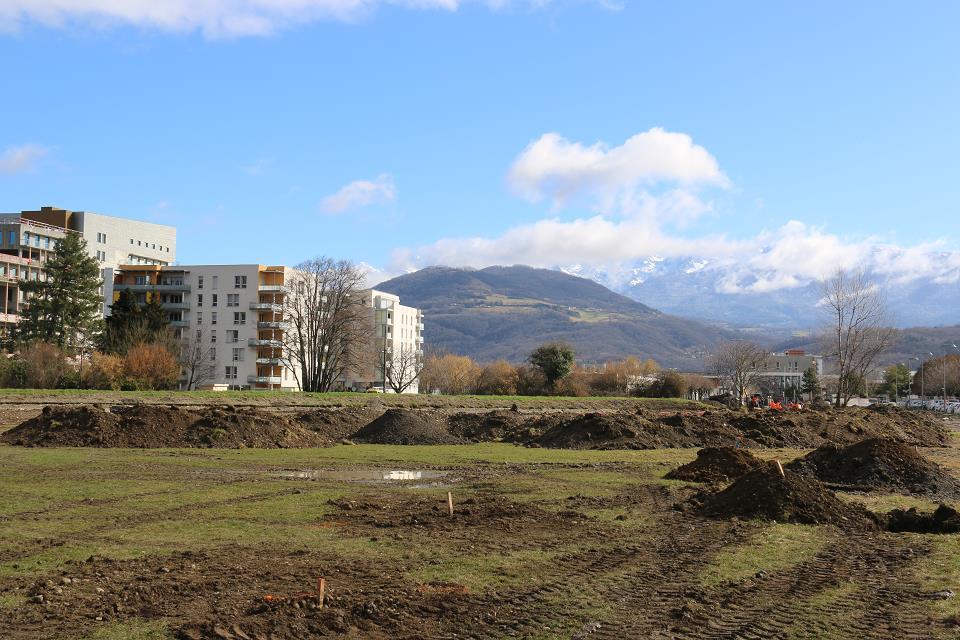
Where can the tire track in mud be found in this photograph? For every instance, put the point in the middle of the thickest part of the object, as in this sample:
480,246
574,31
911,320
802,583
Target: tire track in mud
885,602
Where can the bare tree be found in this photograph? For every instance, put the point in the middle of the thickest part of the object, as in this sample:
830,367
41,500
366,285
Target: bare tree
195,358
737,363
404,367
449,374
859,328
330,327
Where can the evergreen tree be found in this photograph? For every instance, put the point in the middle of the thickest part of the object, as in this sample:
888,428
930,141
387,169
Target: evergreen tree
64,307
554,359
811,382
131,323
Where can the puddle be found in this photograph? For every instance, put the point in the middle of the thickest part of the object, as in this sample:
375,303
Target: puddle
369,476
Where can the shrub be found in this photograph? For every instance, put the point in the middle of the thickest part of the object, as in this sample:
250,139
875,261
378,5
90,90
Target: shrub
449,374
554,359
43,365
151,366
531,381
105,372
498,378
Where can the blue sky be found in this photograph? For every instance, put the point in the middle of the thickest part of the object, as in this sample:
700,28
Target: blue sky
246,123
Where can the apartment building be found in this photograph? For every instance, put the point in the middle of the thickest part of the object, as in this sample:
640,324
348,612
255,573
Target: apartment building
28,238
234,309
785,370
398,336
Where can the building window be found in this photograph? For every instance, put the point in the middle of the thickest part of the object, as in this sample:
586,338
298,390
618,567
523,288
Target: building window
199,299
239,317
200,317
213,318
213,354
131,240
36,240
199,282
238,354
13,238
213,301
240,282
233,299
230,373
215,278
104,238
213,336
233,335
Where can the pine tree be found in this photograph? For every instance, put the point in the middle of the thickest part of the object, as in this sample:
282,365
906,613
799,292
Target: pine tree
131,323
811,382
63,308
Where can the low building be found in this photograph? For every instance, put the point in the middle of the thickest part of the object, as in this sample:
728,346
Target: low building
782,371
235,309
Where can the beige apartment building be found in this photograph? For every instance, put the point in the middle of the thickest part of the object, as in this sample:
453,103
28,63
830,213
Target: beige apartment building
28,238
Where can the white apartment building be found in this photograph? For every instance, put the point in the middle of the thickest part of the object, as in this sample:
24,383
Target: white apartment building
28,238
234,309
399,342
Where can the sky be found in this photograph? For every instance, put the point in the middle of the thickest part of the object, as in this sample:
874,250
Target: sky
781,139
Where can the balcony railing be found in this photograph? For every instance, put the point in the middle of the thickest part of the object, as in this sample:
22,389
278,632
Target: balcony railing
272,288
152,287
266,306
258,342
273,362
175,305
272,325
264,379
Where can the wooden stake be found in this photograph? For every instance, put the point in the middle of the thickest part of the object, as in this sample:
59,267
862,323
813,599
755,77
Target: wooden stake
450,502
321,589
780,469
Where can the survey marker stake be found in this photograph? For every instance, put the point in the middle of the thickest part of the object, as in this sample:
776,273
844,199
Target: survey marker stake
321,589
780,469
450,502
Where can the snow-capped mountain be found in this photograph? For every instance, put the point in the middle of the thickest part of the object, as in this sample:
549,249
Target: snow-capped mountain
700,288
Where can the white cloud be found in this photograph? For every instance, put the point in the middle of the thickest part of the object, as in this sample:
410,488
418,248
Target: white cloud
554,168
360,193
21,158
214,18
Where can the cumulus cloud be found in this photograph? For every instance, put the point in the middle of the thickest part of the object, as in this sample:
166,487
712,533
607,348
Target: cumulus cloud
360,193
214,18
556,169
18,159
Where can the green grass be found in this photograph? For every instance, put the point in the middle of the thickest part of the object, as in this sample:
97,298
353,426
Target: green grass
941,570
775,547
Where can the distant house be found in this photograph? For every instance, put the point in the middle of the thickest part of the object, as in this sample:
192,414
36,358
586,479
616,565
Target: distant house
785,370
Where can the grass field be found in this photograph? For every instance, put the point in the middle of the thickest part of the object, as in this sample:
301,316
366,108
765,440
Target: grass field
544,544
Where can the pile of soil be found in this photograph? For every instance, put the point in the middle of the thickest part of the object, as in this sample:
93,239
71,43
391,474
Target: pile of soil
842,426
877,464
717,464
339,423
230,428
764,493
497,425
943,520
154,426
405,426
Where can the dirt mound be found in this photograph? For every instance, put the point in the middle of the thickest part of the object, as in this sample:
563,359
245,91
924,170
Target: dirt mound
490,426
943,520
405,426
877,464
153,426
764,493
717,464
229,428
842,426
339,423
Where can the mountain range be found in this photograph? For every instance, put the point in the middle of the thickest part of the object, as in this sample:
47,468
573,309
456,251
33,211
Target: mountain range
699,288
505,312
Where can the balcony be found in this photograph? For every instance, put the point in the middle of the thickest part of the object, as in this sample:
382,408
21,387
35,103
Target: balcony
273,362
258,342
272,325
272,288
420,326
266,306
152,287
264,379
179,323
175,305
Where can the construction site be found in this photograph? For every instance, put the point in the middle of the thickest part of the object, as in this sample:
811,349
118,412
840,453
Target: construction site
360,517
